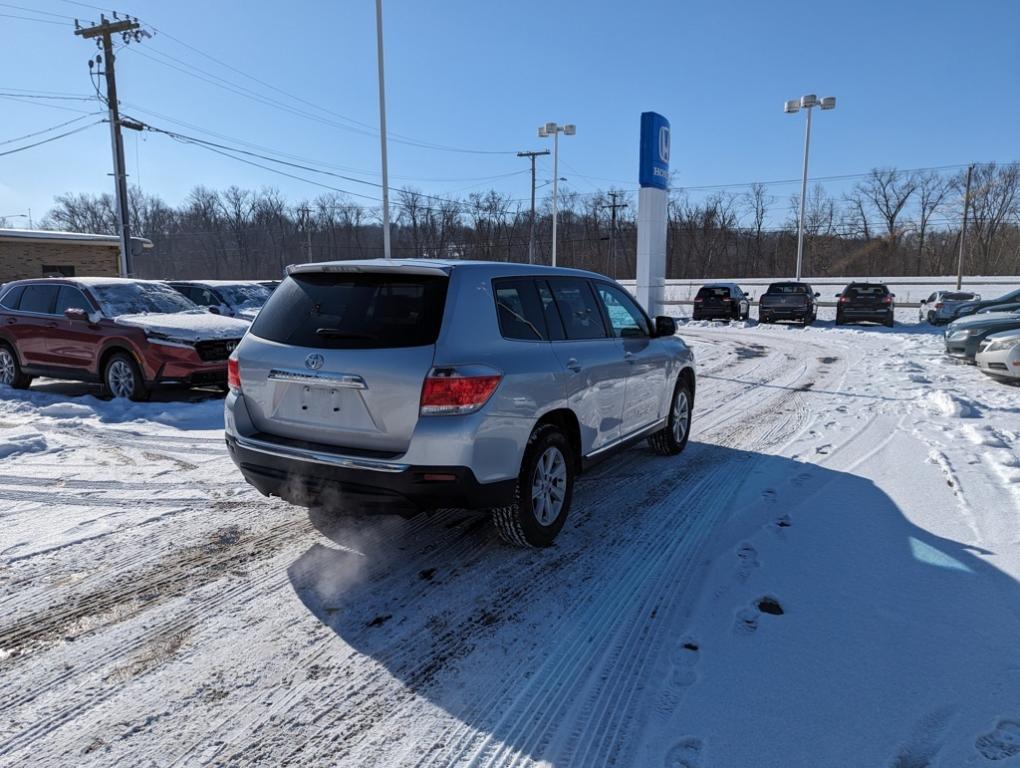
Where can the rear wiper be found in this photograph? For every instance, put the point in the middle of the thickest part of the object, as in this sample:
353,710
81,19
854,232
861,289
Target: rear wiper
337,333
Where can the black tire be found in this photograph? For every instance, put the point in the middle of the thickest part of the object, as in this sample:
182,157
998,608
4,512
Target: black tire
889,323
808,319
764,319
10,369
123,378
667,441
931,317
839,320
518,523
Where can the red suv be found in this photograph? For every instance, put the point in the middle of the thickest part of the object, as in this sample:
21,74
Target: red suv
128,335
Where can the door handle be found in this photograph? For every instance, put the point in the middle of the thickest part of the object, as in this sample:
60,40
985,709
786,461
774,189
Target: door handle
629,357
573,365
11,320
51,324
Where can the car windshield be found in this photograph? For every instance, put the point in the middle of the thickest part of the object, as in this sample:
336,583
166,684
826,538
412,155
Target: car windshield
243,295
787,288
118,299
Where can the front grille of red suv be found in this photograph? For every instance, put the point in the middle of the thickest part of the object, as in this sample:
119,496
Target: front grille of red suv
220,349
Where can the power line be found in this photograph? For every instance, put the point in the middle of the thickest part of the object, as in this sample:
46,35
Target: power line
31,18
52,138
47,130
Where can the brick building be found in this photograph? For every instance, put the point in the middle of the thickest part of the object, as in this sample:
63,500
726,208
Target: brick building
38,253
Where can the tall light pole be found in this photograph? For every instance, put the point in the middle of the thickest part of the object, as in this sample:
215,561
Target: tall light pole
806,102
554,130
382,132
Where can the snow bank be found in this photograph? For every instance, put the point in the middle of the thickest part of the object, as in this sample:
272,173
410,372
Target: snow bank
944,403
26,442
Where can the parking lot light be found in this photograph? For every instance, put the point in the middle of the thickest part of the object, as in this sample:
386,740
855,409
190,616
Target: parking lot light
790,107
554,130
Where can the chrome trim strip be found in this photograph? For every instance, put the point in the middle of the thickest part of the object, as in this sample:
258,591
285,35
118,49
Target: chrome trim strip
346,380
654,426
320,457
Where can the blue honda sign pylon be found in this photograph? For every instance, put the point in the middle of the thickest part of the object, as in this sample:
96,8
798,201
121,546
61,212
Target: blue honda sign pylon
653,175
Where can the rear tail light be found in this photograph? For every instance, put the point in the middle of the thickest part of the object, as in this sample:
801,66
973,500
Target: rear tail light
842,299
458,390
698,299
887,300
938,306
233,374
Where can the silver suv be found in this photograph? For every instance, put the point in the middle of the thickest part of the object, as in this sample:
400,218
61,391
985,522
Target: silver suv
422,384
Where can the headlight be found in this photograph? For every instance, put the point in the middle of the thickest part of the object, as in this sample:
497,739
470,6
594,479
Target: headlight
957,335
155,337
1002,345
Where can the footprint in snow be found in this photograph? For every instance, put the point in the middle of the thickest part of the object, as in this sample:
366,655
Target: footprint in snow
748,560
784,521
684,754
769,495
748,618
1002,743
824,449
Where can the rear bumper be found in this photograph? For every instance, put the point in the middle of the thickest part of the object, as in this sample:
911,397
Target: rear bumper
865,315
308,476
712,314
784,313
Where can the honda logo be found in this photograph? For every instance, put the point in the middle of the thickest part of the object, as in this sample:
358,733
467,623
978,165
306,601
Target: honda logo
314,361
664,144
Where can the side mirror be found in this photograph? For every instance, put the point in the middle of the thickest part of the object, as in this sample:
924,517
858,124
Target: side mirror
893,295
76,313
838,295
214,310
924,301
665,326
818,295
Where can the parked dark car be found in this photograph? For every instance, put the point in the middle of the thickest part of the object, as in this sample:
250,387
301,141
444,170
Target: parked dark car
128,335
721,301
963,337
971,307
234,298
865,302
788,301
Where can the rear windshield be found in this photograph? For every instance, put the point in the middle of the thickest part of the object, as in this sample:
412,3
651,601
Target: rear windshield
787,288
957,296
354,311
715,293
866,291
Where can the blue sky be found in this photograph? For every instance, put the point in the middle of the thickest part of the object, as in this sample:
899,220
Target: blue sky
918,84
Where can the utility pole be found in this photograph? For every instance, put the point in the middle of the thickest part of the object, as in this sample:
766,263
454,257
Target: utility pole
382,131
306,217
612,230
963,232
531,232
129,29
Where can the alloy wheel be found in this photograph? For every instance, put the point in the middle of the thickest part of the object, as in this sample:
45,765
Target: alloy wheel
549,486
120,379
681,417
7,368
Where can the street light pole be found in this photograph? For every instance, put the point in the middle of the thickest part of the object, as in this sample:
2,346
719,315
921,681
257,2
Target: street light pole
555,130
806,102
382,131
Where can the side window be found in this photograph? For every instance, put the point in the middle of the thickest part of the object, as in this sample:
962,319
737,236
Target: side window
625,318
12,297
71,298
553,324
932,298
204,297
519,310
581,316
38,299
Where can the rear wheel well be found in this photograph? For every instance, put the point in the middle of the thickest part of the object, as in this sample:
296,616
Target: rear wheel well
565,420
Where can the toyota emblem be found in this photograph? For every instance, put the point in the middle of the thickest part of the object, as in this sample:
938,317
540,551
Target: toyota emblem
314,361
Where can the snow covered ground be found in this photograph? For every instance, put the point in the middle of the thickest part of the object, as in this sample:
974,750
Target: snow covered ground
828,576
